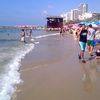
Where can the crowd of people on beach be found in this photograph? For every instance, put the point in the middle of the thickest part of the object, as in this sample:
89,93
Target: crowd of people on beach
88,37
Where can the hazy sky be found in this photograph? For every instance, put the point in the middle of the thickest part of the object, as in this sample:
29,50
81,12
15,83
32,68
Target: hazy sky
34,12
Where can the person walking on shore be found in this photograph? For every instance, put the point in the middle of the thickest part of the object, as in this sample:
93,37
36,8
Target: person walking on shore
82,42
62,32
90,40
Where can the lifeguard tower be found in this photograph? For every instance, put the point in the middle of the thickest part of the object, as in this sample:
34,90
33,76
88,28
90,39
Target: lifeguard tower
54,22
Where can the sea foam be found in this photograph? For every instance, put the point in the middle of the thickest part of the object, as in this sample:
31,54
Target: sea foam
12,77
47,35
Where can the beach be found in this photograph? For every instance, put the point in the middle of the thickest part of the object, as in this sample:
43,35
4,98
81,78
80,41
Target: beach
52,71
49,50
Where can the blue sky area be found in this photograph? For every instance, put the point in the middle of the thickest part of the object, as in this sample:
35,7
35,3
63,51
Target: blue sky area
34,12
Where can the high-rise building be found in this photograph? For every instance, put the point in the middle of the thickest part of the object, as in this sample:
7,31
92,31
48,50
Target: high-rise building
72,15
65,18
83,9
75,14
69,16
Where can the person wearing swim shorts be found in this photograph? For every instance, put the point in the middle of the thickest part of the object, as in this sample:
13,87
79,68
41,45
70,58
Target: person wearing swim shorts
90,40
82,42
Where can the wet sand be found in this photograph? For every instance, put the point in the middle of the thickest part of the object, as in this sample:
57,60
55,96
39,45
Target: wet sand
52,71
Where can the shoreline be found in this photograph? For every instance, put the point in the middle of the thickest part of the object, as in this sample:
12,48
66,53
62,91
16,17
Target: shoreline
52,71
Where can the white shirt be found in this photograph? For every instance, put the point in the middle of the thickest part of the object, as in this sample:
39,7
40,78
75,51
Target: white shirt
91,35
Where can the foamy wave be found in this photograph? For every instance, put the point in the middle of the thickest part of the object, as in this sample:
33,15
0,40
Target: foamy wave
12,77
43,36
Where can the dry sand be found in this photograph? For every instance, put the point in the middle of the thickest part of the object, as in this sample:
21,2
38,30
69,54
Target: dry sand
52,71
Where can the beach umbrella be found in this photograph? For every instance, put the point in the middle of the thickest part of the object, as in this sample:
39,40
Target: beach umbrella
82,23
86,23
75,26
94,25
96,22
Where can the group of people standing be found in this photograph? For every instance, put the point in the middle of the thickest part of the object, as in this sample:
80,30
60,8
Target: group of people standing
25,33
86,36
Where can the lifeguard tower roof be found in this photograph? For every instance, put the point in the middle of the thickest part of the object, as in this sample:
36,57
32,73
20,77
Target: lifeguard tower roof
54,22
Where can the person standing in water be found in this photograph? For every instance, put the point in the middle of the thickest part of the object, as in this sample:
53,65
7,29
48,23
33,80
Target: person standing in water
22,35
82,42
31,35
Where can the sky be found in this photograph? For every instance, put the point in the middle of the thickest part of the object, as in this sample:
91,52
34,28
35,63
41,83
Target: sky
34,12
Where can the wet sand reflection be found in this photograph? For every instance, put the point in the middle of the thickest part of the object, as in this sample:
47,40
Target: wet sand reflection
90,75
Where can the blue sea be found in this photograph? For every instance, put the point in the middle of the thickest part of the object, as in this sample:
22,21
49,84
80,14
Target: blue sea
12,51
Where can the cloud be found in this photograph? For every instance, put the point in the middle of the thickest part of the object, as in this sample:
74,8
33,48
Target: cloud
45,12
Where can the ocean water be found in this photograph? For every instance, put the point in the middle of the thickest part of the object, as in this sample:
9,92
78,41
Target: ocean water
12,51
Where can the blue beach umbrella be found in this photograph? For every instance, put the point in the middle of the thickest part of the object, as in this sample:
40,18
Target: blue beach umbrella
82,23
96,22
86,23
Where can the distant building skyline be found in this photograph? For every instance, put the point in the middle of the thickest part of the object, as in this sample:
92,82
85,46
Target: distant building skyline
80,13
